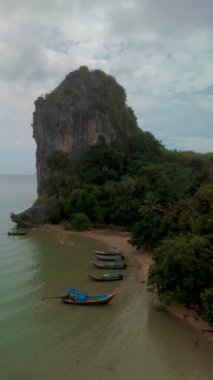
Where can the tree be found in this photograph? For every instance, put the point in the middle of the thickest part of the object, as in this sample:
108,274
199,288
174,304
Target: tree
204,196
207,304
182,269
83,201
80,221
59,161
150,229
127,186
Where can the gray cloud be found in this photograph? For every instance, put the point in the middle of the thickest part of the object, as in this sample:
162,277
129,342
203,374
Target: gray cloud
207,91
165,16
159,50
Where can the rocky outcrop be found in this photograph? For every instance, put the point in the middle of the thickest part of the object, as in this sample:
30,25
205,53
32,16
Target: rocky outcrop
35,215
85,106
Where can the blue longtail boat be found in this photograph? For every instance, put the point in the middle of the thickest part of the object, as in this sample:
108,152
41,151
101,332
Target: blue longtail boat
74,297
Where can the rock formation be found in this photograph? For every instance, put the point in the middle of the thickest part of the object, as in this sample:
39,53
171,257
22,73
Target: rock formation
86,105
35,215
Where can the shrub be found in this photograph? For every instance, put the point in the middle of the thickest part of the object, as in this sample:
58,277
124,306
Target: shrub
80,221
55,217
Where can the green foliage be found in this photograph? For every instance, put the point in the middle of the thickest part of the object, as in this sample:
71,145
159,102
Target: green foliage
148,231
102,162
61,176
55,217
59,161
182,269
207,304
151,227
144,146
80,221
139,185
80,200
102,93
204,197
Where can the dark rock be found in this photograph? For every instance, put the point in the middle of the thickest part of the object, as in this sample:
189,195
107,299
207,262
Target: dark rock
35,215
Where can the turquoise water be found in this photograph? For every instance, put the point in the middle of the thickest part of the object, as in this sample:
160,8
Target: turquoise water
44,339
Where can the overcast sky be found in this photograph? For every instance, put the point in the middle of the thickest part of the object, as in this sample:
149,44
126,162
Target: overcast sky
160,51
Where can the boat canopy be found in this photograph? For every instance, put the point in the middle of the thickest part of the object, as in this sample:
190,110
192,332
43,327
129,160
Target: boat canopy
78,296
72,291
81,297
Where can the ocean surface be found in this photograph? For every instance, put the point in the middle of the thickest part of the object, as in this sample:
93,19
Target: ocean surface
41,338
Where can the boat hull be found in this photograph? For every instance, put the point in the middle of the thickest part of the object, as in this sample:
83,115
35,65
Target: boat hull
91,300
17,233
102,278
108,265
110,253
109,257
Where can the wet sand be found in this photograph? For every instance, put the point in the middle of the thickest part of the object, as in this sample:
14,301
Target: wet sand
143,259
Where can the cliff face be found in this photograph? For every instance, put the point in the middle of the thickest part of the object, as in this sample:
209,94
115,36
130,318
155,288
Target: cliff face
85,106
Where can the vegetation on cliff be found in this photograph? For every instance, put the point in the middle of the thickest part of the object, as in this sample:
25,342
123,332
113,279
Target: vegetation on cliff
86,105
97,91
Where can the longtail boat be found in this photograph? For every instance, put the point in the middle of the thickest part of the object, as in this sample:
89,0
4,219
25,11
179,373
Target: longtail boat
112,276
110,257
74,297
113,251
14,233
109,265
109,253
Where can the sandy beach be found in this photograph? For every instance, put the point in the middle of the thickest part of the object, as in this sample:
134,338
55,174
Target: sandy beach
143,259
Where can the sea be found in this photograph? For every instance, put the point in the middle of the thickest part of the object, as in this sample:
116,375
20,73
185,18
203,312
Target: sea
42,338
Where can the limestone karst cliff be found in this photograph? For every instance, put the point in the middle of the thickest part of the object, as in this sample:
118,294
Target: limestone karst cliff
86,105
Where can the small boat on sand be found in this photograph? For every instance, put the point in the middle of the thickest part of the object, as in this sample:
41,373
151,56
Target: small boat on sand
119,257
112,276
109,265
15,233
109,253
113,251
74,297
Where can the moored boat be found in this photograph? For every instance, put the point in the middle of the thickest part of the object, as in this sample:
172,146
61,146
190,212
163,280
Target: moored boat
14,233
112,276
113,251
76,298
109,265
108,253
119,257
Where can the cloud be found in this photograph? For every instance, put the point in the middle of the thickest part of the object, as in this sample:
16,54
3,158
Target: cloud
160,51
164,17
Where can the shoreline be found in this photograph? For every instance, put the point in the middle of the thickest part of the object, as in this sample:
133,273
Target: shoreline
143,260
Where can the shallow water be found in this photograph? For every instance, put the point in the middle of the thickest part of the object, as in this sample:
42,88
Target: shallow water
44,339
